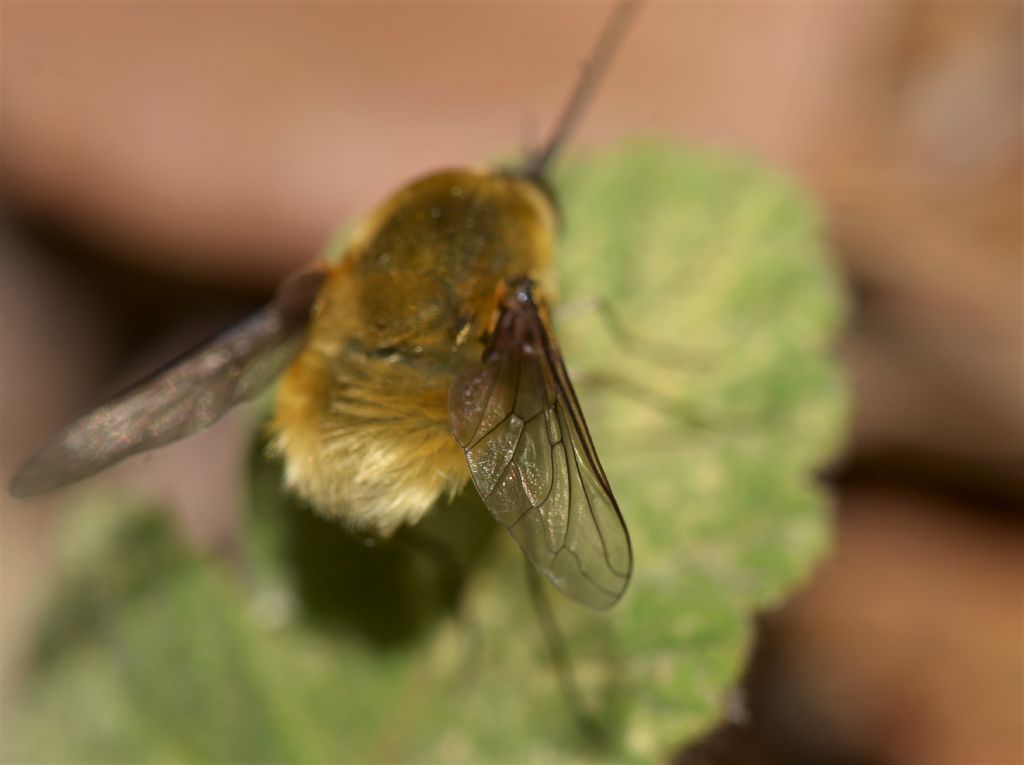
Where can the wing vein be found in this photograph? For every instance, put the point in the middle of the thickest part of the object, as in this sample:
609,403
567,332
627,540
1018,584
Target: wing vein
590,562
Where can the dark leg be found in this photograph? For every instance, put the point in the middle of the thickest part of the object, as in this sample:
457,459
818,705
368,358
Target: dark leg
560,660
665,355
630,342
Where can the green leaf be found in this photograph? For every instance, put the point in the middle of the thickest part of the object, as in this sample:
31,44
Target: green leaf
317,646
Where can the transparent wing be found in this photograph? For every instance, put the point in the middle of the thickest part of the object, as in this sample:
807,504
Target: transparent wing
185,397
533,462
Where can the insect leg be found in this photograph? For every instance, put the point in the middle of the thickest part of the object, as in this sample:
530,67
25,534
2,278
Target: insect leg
561,662
632,343
672,407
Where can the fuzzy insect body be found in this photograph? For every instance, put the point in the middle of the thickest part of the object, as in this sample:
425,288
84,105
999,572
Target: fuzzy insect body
362,416
423,359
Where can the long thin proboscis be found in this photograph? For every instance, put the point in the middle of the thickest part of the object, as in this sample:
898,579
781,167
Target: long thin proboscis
593,70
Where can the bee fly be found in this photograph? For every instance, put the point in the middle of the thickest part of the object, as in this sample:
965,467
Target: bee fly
424,358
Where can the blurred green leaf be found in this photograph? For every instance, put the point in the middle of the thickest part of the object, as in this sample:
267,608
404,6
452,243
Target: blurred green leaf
317,646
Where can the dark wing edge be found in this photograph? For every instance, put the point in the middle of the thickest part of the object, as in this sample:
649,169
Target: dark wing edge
185,397
533,461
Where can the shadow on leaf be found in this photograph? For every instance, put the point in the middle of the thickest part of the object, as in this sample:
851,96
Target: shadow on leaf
390,591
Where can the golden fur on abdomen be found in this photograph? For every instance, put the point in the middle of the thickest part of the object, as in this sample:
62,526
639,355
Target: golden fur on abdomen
366,440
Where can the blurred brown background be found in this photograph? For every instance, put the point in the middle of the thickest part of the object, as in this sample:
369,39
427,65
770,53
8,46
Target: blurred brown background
164,164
